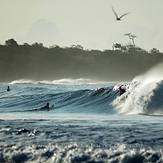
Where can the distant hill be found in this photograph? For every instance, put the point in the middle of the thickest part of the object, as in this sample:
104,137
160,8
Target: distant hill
41,63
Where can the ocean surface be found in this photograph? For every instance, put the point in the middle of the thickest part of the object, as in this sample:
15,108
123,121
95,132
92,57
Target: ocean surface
85,124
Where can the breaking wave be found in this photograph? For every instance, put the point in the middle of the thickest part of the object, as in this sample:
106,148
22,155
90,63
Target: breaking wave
144,94
59,81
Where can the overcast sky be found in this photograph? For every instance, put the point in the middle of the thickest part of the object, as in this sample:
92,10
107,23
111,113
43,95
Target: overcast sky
90,23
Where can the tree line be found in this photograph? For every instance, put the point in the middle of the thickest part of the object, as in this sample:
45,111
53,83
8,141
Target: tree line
39,63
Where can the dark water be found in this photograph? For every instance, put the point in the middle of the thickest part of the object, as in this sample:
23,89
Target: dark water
84,125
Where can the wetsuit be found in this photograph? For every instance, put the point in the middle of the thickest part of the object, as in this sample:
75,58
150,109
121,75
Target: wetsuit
121,90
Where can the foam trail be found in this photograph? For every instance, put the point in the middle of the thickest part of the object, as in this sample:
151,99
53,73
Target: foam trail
23,81
144,95
67,81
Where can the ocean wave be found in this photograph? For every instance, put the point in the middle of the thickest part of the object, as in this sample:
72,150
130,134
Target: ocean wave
23,81
144,94
65,81
33,98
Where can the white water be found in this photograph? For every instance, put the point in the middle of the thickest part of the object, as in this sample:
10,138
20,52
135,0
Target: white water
69,81
144,94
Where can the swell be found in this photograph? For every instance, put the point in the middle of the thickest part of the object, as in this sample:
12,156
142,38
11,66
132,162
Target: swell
33,98
141,97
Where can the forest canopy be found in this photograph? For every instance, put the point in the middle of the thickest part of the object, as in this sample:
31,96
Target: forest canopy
48,63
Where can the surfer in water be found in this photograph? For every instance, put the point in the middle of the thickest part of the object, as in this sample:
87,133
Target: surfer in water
122,90
46,107
8,89
101,90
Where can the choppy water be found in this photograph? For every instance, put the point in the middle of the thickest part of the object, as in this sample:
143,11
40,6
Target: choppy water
85,125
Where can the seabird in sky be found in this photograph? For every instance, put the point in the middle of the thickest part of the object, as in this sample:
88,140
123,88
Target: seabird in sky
118,18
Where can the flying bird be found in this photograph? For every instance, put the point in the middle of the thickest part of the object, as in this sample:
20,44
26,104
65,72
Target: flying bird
118,18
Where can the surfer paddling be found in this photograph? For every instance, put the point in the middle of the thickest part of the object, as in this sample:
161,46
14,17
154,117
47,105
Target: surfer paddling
47,107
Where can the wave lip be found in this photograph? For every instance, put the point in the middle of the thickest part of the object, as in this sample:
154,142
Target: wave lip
23,81
141,98
66,81
144,94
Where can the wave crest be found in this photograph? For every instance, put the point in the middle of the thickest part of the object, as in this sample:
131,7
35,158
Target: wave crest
141,98
65,81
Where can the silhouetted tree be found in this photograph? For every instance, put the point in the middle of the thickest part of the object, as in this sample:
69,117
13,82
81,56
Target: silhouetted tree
154,51
11,42
123,48
26,44
77,47
36,44
38,62
117,46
